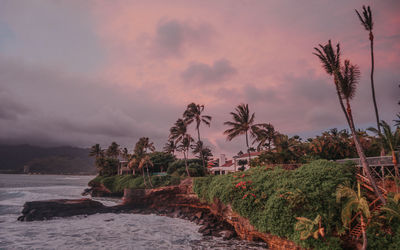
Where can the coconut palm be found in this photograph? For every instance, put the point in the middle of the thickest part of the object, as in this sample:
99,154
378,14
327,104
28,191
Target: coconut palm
243,123
345,80
178,131
368,24
96,151
113,150
264,133
193,113
184,147
141,159
125,154
170,147
308,228
203,151
355,203
398,120
390,140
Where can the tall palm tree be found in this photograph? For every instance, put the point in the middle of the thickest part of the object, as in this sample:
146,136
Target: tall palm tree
96,151
199,148
125,154
242,123
345,80
193,113
170,147
368,24
354,203
391,140
141,159
184,147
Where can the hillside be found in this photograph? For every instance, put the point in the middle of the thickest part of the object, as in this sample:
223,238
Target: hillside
45,160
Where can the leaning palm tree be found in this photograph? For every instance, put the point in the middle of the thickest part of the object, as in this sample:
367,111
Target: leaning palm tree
243,123
391,140
368,24
144,163
193,113
345,80
178,131
355,203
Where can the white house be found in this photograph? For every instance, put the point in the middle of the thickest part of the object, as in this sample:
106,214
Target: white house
224,166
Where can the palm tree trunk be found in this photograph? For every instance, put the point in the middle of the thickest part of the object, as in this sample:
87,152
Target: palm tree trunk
186,165
361,154
148,176
248,149
371,38
144,178
201,148
365,243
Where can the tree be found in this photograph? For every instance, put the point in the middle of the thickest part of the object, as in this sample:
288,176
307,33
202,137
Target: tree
368,24
125,154
345,80
96,151
113,150
355,203
242,164
264,133
170,147
392,209
184,147
140,159
193,113
204,151
390,140
242,123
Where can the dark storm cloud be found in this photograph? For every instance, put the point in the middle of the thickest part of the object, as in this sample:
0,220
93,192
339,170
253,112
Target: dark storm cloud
64,109
172,36
196,72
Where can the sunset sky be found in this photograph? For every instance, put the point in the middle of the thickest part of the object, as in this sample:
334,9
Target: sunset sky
85,72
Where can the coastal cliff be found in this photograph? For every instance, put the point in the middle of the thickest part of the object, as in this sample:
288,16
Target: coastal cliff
182,199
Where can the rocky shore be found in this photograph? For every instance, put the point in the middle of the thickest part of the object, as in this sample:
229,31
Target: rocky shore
216,219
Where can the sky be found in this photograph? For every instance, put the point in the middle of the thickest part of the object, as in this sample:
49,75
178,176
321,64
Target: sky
84,72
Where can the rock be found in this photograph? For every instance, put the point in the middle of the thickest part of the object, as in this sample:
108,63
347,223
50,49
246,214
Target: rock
227,234
203,228
199,214
43,210
215,233
87,191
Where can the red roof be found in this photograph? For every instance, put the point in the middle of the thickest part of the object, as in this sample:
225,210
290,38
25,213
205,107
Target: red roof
228,163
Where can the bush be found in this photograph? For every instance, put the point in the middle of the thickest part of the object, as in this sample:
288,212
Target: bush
272,199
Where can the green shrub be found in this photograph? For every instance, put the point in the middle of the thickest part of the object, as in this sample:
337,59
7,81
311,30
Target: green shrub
274,198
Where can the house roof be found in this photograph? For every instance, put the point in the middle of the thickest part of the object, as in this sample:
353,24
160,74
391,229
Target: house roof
228,163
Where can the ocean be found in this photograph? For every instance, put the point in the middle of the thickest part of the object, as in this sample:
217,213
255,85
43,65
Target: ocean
99,231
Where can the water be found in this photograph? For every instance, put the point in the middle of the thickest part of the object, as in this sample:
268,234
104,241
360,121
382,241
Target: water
99,231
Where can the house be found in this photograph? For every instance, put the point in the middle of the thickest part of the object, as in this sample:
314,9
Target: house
224,166
245,157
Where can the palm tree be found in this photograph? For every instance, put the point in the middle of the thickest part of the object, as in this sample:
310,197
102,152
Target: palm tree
183,147
355,203
397,121
113,150
193,113
345,79
203,151
96,151
243,123
264,133
391,140
125,154
141,158
309,227
368,24
170,147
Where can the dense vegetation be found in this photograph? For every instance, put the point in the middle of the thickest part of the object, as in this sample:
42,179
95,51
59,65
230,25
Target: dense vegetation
45,160
272,199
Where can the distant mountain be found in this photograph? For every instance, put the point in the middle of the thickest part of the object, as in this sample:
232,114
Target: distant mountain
46,160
